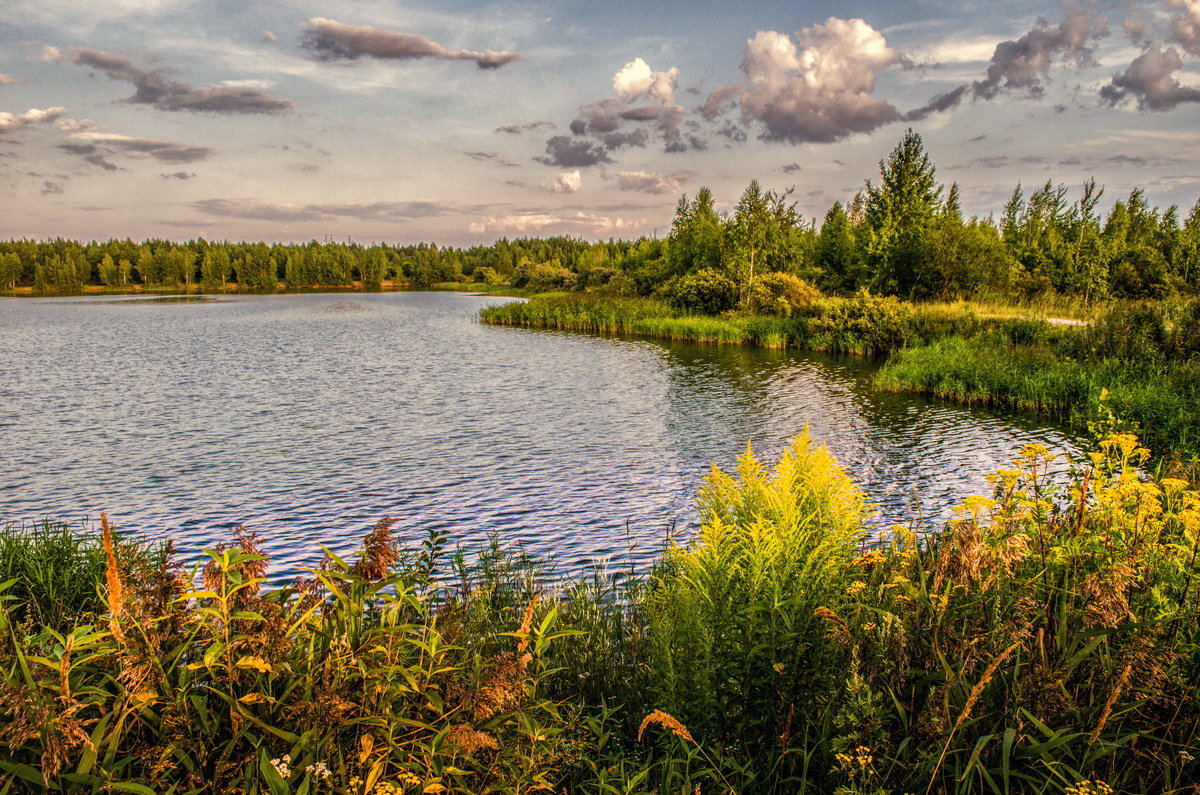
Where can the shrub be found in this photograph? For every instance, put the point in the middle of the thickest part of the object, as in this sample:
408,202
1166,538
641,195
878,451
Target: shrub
780,294
708,291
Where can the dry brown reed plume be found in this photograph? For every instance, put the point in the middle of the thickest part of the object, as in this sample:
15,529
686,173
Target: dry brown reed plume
667,721
112,575
469,740
972,699
378,553
502,687
1122,680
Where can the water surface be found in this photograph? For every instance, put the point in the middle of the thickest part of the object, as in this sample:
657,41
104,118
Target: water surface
309,417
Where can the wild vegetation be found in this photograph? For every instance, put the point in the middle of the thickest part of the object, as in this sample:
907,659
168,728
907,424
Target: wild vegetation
1045,640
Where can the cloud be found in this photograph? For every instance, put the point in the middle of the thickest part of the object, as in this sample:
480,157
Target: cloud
566,152
818,87
1135,28
6,79
1185,29
636,80
939,104
267,211
268,36
49,187
11,122
643,109
483,157
568,182
1023,64
536,222
517,129
719,100
95,146
791,168
648,182
330,40
178,175
75,125
1149,80
155,88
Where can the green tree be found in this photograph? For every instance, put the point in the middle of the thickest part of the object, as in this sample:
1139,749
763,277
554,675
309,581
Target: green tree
837,255
110,274
900,213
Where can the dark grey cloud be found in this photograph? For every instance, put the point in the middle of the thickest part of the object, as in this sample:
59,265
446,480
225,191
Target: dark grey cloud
155,87
481,156
286,213
1185,29
1023,64
49,187
565,152
1150,80
517,129
622,139
939,104
330,40
791,168
719,101
179,175
96,147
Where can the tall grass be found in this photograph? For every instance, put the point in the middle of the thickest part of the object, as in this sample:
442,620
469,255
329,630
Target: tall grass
1140,363
53,570
861,324
1046,640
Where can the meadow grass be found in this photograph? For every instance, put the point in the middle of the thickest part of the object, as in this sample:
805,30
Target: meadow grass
1045,640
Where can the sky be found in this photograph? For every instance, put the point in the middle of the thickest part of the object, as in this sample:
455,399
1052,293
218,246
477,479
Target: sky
461,121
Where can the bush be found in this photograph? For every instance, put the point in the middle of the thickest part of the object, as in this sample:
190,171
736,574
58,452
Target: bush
706,290
781,294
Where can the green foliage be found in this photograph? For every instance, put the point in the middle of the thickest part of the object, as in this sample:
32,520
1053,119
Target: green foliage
736,646
780,294
54,572
706,290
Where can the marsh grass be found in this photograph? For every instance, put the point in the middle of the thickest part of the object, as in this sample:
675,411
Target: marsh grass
1045,640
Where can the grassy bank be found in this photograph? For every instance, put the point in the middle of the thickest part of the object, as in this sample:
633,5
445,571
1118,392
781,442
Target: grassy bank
1045,641
1138,363
861,324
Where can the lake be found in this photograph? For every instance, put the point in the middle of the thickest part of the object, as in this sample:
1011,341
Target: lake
308,417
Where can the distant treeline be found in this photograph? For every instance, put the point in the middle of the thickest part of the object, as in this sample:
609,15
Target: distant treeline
68,265
904,235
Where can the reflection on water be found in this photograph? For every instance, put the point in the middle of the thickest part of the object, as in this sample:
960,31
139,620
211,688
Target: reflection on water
308,417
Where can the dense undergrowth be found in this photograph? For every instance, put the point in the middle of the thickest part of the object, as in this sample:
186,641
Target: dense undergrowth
1044,641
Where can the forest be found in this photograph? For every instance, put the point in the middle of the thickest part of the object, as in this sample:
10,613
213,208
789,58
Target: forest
903,234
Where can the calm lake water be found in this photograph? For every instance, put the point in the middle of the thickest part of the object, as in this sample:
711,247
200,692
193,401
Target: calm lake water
309,417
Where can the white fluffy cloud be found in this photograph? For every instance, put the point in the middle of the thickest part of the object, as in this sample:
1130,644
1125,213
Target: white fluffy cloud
568,182
636,80
818,86
17,121
1185,29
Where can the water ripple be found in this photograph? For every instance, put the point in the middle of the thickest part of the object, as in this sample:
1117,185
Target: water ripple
308,417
